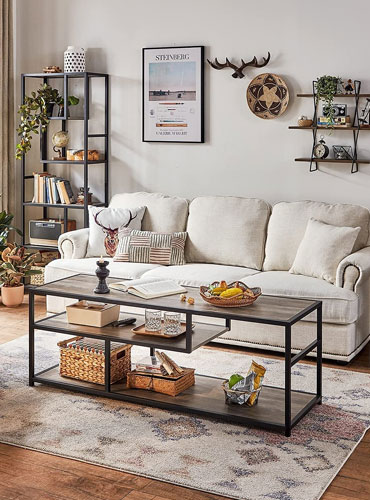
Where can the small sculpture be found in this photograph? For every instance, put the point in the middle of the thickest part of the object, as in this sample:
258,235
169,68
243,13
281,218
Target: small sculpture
238,70
102,274
349,88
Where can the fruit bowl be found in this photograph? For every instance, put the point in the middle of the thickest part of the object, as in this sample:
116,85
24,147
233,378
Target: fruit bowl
245,298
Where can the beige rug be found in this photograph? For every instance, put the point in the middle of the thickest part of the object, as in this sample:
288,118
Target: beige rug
205,454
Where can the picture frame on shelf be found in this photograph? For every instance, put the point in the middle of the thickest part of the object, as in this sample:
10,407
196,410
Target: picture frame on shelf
173,94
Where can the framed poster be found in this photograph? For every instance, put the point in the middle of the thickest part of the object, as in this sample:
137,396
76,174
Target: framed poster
173,85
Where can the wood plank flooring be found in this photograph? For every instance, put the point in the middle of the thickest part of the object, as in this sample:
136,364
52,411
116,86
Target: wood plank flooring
30,475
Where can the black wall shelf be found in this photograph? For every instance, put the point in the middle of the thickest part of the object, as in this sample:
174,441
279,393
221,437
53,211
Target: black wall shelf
85,77
355,128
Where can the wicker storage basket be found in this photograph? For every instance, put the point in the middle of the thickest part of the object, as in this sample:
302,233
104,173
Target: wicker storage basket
38,279
83,359
172,386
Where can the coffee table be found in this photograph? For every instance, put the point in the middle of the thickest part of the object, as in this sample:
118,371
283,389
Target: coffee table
278,409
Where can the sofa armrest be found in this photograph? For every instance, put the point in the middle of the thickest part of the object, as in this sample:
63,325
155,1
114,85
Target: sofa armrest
73,245
354,269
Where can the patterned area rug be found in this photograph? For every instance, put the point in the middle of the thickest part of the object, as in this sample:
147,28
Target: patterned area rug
200,453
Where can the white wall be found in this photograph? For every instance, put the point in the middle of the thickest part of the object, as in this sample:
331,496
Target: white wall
243,155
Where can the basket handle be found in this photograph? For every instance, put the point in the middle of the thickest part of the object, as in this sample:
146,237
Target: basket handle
63,343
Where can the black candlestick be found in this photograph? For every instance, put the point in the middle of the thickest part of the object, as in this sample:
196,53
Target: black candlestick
102,273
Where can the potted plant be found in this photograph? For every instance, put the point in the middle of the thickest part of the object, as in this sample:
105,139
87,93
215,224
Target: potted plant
16,264
5,227
326,87
35,113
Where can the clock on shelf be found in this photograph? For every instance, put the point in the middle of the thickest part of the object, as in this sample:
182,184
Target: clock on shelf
321,150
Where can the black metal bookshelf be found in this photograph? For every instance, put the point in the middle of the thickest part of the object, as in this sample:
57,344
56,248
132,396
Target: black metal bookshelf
86,77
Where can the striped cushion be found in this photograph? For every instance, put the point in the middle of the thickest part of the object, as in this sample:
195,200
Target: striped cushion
147,247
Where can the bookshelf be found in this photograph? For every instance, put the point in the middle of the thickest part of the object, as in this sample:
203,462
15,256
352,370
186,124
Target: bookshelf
44,153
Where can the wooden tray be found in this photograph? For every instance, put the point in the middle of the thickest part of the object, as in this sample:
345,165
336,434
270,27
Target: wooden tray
140,330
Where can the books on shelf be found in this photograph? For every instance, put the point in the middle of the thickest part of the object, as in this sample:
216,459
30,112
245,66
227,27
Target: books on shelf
48,188
148,288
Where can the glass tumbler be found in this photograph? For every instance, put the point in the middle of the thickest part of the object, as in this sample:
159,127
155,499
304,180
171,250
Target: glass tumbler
172,323
153,320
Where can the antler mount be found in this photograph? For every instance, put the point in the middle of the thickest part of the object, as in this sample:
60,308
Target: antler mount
238,70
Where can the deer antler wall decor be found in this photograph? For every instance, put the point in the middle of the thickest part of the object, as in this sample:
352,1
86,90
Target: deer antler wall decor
238,70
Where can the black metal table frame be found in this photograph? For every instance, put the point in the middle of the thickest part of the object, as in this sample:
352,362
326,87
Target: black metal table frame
290,360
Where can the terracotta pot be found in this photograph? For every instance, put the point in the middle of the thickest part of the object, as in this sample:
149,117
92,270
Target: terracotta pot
12,296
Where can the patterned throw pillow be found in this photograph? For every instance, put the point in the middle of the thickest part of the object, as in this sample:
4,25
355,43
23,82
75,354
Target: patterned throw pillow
105,224
166,249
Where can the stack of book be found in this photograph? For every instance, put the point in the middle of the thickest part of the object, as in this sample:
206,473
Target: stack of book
51,189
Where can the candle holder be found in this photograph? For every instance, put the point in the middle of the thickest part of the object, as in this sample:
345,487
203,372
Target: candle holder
102,273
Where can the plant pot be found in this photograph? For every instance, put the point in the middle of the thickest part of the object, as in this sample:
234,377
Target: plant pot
50,109
12,296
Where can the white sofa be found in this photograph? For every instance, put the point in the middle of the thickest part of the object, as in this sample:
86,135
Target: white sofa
244,239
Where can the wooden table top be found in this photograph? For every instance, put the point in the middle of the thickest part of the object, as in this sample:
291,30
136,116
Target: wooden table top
267,309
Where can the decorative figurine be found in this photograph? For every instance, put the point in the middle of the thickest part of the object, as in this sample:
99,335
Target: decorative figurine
102,273
81,196
60,140
349,88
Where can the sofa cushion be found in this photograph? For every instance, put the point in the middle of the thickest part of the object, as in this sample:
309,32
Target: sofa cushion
340,306
322,249
288,223
227,230
164,214
124,270
200,274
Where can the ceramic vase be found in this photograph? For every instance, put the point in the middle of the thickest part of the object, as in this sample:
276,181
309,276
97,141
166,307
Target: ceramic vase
74,60
12,296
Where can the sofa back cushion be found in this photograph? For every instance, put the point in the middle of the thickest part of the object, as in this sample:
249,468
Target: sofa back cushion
163,214
288,223
227,230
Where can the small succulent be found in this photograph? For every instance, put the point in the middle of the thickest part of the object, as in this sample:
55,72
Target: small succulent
16,264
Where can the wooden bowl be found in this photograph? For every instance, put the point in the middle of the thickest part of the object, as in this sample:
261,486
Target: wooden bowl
234,301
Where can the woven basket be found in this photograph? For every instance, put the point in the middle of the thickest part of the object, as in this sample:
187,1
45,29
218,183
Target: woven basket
84,359
231,301
38,279
164,385
305,123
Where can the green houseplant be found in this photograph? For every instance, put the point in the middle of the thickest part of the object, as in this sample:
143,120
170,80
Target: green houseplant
15,265
5,226
326,87
35,113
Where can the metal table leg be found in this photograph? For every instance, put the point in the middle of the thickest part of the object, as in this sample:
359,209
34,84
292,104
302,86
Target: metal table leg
107,365
288,384
31,330
319,354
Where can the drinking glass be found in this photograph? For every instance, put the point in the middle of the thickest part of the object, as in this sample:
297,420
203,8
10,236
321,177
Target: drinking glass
153,320
172,323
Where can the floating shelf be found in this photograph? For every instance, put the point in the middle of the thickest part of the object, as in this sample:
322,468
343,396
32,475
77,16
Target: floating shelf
336,95
330,160
321,127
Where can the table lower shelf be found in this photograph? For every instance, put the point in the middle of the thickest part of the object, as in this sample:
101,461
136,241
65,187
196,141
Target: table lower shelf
205,398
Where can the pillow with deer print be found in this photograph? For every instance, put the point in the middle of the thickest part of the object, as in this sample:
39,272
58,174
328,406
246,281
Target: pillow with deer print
105,224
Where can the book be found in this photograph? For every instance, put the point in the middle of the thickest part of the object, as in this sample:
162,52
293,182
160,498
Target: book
58,183
150,289
67,185
66,199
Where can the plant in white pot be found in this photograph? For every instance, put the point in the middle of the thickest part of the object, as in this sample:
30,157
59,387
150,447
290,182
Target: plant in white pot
15,265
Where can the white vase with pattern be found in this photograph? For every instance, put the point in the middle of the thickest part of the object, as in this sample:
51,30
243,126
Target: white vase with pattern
74,60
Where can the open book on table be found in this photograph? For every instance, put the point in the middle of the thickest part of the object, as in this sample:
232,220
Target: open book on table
148,288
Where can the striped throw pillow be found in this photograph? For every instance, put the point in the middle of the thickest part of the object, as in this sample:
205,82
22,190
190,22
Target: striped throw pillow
147,247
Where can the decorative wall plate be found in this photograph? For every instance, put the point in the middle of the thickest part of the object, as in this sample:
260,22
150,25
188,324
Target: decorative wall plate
267,96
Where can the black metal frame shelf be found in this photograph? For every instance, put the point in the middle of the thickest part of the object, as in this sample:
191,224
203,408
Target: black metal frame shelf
85,77
355,128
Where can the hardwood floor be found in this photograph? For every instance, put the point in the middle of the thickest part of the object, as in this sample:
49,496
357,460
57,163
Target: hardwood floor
30,475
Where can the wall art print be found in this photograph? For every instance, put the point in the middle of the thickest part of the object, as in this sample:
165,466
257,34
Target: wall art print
173,86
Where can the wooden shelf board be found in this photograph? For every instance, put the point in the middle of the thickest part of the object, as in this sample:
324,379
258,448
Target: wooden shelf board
60,205
41,247
321,127
71,162
205,397
68,118
336,95
61,75
330,160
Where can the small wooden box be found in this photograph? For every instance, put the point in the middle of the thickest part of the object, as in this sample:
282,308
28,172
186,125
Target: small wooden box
90,314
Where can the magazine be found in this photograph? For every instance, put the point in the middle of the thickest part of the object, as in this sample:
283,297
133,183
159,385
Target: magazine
148,288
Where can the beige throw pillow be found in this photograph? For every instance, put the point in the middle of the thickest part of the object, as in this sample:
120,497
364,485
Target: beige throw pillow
322,249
